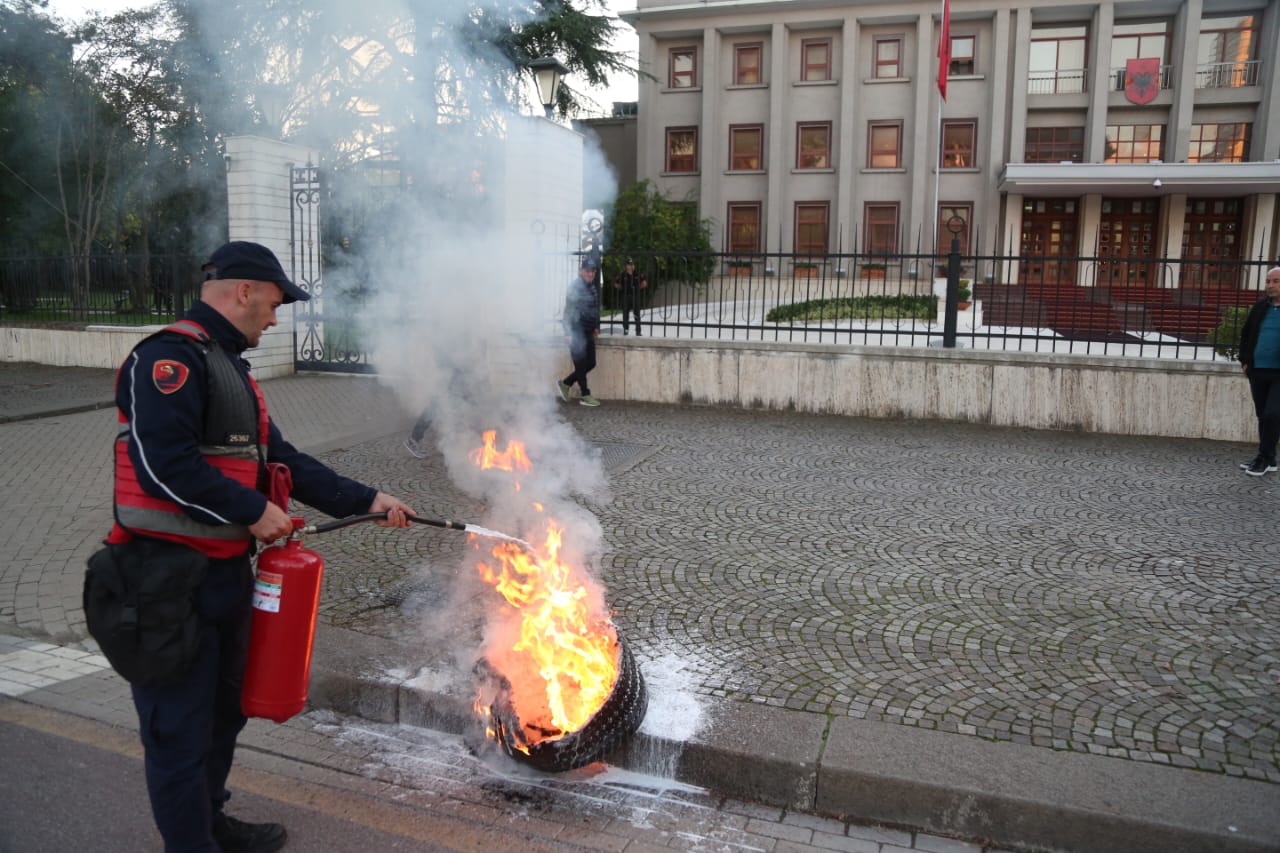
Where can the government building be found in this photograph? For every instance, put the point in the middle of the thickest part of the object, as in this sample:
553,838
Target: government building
1121,132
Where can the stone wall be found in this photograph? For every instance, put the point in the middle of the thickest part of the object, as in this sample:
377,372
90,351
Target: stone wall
1037,391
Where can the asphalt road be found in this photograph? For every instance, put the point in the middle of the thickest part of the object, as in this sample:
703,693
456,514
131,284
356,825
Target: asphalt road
81,788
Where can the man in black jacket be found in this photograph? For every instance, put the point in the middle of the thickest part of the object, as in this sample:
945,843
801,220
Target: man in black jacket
630,283
582,328
1260,359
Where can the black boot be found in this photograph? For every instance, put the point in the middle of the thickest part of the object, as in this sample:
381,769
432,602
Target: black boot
236,836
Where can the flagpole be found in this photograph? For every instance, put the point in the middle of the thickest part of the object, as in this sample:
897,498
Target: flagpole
937,178
944,60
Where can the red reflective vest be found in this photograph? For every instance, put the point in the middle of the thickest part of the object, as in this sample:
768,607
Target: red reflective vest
141,513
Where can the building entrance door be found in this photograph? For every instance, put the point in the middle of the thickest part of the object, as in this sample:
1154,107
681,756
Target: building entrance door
1211,243
1126,242
1048,250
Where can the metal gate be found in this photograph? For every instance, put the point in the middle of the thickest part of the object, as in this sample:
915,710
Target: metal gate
326,331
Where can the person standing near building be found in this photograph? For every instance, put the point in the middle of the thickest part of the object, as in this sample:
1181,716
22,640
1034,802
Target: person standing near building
1260,360
193,456
630,283
582,328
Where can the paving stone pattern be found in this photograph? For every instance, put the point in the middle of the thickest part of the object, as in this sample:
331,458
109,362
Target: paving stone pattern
1106,595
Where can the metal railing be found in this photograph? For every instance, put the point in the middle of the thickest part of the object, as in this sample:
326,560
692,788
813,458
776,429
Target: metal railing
127,289
1061,81
1166,77
1113,306
1227,75
1146,308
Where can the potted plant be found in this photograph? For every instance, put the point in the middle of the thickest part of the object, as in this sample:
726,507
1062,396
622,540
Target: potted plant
873,270
805,269
738,266
964,295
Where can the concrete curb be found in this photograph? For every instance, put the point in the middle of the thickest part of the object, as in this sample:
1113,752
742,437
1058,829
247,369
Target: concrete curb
1010,795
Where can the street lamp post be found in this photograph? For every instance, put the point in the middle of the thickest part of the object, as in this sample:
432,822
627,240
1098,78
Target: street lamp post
547,74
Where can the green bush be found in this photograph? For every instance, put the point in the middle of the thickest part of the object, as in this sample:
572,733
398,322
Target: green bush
857,308
1226,337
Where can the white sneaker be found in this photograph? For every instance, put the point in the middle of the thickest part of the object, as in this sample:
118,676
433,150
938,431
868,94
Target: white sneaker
415,448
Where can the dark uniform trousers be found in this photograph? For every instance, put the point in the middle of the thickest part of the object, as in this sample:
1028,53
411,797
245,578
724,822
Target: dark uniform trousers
189,729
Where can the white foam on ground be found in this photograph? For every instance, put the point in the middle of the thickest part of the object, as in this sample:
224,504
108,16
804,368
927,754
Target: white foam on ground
674,710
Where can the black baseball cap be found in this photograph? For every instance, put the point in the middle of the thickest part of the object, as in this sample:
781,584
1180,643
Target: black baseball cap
254,262
589,263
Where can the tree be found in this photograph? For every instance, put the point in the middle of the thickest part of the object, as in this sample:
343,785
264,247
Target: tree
32,50
642,221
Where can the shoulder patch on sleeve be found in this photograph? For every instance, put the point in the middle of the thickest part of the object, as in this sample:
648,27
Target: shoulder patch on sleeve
169,375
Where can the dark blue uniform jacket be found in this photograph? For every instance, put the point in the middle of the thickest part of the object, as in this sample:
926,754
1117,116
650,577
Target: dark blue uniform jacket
169,427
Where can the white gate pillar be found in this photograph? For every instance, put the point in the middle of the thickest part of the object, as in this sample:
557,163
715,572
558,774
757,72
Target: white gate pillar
259,204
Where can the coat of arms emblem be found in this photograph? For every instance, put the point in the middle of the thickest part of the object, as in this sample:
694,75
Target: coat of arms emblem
1141,80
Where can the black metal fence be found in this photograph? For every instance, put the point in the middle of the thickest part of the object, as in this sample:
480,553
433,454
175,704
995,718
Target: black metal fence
1149,308
121,289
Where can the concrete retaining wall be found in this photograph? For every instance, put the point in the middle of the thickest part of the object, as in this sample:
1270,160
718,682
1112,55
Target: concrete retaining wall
107,346
1038,391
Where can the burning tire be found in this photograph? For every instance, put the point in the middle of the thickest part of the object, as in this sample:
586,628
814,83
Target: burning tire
617,719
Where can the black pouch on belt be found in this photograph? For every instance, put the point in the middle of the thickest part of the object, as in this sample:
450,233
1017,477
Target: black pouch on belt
139,604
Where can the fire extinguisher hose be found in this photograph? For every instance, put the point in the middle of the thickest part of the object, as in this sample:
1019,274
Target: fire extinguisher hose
326,526
434,522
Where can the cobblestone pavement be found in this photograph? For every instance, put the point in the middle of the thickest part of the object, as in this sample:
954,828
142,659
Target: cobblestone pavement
1099,594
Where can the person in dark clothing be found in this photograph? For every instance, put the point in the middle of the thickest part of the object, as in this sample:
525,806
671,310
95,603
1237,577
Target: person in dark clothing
630,283
1260,360
192,457
582,328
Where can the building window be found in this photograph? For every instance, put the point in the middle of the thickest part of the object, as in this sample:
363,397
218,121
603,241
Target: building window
947,214
884,145
813,145
958,144
1219,143
746,64
682,149
1227,52
882,229
887,57
815,60
746,147
1057,62
811,227
1055,145
684,67
1138,41
1133,143
963,56
744,227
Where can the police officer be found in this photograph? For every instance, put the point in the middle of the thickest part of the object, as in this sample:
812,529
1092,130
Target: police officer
630,283
192,454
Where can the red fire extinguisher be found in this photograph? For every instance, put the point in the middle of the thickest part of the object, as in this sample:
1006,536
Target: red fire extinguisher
286,598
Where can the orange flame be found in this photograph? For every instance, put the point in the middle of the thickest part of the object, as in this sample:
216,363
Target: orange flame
563,665
571,651
512,459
